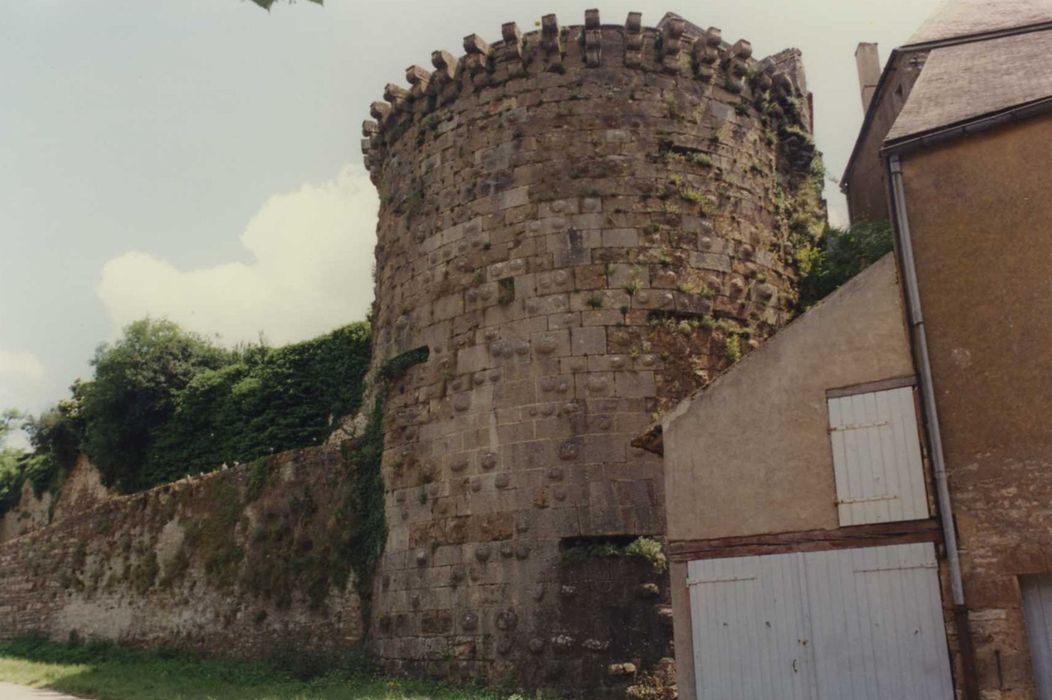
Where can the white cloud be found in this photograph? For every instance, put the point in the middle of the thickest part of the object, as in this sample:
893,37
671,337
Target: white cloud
23,366
22,382
312,270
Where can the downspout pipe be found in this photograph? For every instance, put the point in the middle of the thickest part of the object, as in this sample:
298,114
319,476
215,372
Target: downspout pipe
931,419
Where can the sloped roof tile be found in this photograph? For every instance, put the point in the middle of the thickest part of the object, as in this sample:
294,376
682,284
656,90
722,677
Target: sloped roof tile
956,19
963,82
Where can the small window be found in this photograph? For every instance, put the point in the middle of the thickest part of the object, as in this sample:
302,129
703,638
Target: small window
877,457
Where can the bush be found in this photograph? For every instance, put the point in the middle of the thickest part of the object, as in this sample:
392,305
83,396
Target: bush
56,436
269,401
133,394
11,479
12,469
165,402
842,254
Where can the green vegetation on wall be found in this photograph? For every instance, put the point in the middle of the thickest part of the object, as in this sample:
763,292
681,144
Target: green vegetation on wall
842,253
585,549
282,530
55,436
11,471
164,403
266,402
133,394
367,500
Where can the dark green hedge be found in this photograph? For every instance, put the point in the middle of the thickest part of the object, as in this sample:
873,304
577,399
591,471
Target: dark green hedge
268,401
164,403
55,436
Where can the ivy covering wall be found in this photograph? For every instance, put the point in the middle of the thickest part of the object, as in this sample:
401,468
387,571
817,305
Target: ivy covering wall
164,403
266,402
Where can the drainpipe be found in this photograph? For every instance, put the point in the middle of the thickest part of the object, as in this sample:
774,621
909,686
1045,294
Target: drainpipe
931,418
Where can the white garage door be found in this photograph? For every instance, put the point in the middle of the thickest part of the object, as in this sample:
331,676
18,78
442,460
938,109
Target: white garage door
1037,606
850,624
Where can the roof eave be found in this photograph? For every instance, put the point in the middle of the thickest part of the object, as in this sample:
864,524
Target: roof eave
974,125
976,36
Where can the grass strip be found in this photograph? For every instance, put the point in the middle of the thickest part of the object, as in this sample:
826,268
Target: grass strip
104,671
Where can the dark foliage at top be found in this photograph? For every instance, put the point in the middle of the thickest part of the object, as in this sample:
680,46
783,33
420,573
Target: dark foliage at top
134,393
266,401
164,403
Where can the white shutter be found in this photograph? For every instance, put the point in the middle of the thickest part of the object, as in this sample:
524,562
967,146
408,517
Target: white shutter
1037,608
877,458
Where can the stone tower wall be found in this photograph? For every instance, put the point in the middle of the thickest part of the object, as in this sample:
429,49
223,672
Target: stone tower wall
582,225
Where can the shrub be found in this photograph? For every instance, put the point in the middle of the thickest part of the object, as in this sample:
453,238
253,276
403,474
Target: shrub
133,394
165,402
271,400
650,550
842,253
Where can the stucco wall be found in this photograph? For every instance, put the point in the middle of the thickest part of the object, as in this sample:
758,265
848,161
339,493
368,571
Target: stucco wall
981,221
777,474
237,562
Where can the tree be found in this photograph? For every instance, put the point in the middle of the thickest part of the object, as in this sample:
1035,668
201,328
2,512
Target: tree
132,394
10,421
10,461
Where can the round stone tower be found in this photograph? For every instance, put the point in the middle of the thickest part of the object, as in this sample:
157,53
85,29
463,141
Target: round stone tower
582,225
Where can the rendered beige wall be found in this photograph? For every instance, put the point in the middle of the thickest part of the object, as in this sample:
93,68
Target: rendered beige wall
751,454
981,221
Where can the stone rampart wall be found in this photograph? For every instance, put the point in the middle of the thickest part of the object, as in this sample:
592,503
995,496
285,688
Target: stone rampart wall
246,562
80,490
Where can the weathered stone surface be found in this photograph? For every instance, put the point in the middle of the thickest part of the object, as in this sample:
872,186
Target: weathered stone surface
195,562
575,222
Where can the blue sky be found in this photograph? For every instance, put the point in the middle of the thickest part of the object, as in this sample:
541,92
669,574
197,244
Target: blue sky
199,159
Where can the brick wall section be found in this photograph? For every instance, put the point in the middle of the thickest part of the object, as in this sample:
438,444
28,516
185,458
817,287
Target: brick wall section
574,221
204,564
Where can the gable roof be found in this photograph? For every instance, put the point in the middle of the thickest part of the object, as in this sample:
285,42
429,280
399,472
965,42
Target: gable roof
957,23
964,82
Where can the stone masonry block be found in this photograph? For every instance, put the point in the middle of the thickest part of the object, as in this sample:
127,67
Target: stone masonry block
621,238
588,341
514,197
538,248
635,384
